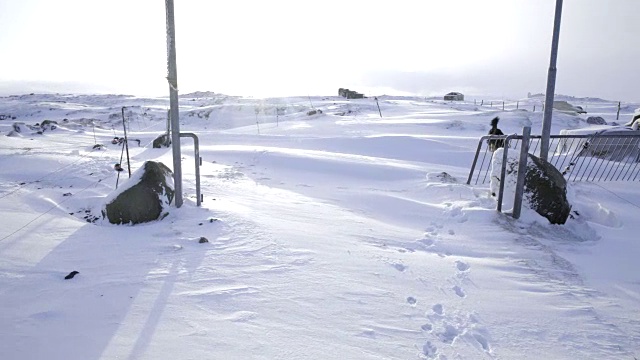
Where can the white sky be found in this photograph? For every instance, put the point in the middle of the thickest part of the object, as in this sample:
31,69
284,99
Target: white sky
262,48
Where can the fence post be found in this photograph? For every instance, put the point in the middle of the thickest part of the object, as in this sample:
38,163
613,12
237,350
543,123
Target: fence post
618,113
517,105
522,168
534,108
503,170
482,103
503,106
491,104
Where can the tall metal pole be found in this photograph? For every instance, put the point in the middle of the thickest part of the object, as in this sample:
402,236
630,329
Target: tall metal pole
551,85
172,78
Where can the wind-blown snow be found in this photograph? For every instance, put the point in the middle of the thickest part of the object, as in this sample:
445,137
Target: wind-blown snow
338,235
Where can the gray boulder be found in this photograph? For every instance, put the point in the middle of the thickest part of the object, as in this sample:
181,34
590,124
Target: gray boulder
546,190
596,120
143,198
163,140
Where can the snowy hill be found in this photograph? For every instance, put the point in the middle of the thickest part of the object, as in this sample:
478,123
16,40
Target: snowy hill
334,233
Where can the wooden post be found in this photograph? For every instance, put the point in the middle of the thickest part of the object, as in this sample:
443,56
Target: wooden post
502,105
380,112
618,113
491,104
482,103
517,105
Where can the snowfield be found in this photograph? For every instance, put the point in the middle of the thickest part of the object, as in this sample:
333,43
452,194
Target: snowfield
335,235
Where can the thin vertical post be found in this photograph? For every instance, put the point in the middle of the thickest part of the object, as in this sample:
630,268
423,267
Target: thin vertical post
522,172
380,112
551,84
172,78
618,113
126,142
503,170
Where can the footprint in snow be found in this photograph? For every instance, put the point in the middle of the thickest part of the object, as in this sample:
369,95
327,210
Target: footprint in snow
429,350
438,309
412,301
399,267
450,334
426,327
459,291
483,342
462,266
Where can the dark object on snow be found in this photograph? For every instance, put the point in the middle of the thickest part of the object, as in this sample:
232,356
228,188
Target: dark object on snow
162,141
596,120
203,240
71,275
350,94
48,125
118,167
546,190
495,144
98,146
454,96
144,201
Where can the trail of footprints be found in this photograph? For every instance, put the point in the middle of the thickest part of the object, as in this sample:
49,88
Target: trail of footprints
441,328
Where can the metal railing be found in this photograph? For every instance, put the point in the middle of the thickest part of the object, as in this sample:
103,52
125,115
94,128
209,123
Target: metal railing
198,163
595,157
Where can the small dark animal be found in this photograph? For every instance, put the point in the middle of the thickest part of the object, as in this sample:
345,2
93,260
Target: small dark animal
495,144
71,275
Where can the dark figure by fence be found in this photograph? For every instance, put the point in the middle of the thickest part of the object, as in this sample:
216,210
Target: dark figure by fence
497,143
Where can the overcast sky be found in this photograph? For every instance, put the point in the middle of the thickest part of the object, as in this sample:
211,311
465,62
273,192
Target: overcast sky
272,48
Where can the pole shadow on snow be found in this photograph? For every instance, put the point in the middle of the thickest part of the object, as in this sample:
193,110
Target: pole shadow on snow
112,307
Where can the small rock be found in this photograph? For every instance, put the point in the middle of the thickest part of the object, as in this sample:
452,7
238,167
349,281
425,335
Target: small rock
71,275
203,240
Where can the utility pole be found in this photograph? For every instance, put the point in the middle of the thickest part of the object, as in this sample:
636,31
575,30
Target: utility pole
172,78
551,85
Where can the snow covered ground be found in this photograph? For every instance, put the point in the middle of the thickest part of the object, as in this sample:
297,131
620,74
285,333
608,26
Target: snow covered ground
331,236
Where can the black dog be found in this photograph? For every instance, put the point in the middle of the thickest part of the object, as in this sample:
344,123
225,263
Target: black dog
495,144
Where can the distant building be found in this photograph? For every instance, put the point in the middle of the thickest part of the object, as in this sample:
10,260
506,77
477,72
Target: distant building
350,94
454,96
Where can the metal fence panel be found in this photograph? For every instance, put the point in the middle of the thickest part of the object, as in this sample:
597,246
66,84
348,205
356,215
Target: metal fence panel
595,157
